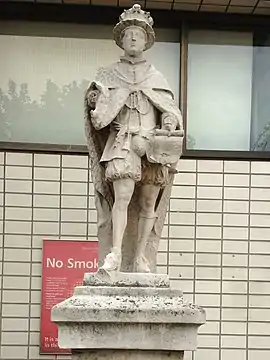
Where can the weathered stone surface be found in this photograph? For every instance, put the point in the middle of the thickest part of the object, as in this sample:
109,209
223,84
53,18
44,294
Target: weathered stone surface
128,355
123,305
127,317
134,130
128,336
116,278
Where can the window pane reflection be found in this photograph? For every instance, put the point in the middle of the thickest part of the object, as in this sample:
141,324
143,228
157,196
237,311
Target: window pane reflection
260,126
41,95
219,103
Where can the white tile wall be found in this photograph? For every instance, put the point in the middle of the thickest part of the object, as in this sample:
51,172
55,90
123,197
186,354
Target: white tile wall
216,246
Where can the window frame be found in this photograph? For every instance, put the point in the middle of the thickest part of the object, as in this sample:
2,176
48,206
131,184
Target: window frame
226,26
101,15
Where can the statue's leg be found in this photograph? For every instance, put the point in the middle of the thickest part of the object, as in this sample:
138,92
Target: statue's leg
147,218
123,191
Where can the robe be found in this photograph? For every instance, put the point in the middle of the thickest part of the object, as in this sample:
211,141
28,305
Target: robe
114,85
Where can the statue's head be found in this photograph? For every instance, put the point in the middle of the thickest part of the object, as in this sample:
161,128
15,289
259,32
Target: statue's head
134,32
133,40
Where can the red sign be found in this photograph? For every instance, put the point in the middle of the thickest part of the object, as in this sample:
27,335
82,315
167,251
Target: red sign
64,264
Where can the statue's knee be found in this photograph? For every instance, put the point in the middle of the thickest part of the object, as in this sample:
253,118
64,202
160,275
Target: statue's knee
147,205
122,201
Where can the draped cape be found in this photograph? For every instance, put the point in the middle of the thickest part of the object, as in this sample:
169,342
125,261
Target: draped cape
113,91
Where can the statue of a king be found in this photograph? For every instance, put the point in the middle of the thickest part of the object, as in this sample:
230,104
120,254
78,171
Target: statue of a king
135,132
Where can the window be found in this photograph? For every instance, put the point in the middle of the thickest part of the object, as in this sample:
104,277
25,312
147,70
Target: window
219,90
46,69
260,126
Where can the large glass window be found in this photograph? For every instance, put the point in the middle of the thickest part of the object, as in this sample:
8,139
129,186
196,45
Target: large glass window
260,125
219,90
44,77
228,87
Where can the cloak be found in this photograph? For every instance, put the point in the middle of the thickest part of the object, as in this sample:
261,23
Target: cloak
114,89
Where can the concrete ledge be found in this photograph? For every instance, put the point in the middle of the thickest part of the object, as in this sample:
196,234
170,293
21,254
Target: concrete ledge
119,279
125,291
125,305
128,336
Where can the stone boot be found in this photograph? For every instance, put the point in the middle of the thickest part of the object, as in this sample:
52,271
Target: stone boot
113,260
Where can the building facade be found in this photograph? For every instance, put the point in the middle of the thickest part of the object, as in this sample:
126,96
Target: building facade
215,243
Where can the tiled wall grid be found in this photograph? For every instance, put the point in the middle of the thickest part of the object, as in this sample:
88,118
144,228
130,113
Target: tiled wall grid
215,246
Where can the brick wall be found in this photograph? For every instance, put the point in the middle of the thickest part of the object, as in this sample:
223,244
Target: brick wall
215,246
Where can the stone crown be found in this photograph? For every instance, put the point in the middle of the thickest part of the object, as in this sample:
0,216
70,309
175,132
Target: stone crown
135,16
136,13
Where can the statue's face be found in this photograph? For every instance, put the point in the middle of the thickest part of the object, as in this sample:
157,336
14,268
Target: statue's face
134,41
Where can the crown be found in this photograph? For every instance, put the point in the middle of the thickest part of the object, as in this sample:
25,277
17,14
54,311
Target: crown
135,16
137,13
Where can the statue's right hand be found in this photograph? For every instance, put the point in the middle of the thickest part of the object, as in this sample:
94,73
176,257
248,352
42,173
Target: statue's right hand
92,98
95,120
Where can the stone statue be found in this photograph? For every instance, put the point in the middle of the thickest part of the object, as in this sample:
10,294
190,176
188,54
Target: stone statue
135,132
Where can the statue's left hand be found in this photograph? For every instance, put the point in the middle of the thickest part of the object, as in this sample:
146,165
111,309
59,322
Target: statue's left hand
169,127
169,122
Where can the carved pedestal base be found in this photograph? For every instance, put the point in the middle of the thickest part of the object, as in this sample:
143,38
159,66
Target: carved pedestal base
120,316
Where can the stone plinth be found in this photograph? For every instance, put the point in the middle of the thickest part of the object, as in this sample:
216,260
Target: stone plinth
127,316
127,355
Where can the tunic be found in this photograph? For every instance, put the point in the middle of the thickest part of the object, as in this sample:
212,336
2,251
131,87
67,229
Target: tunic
138,116
133,95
